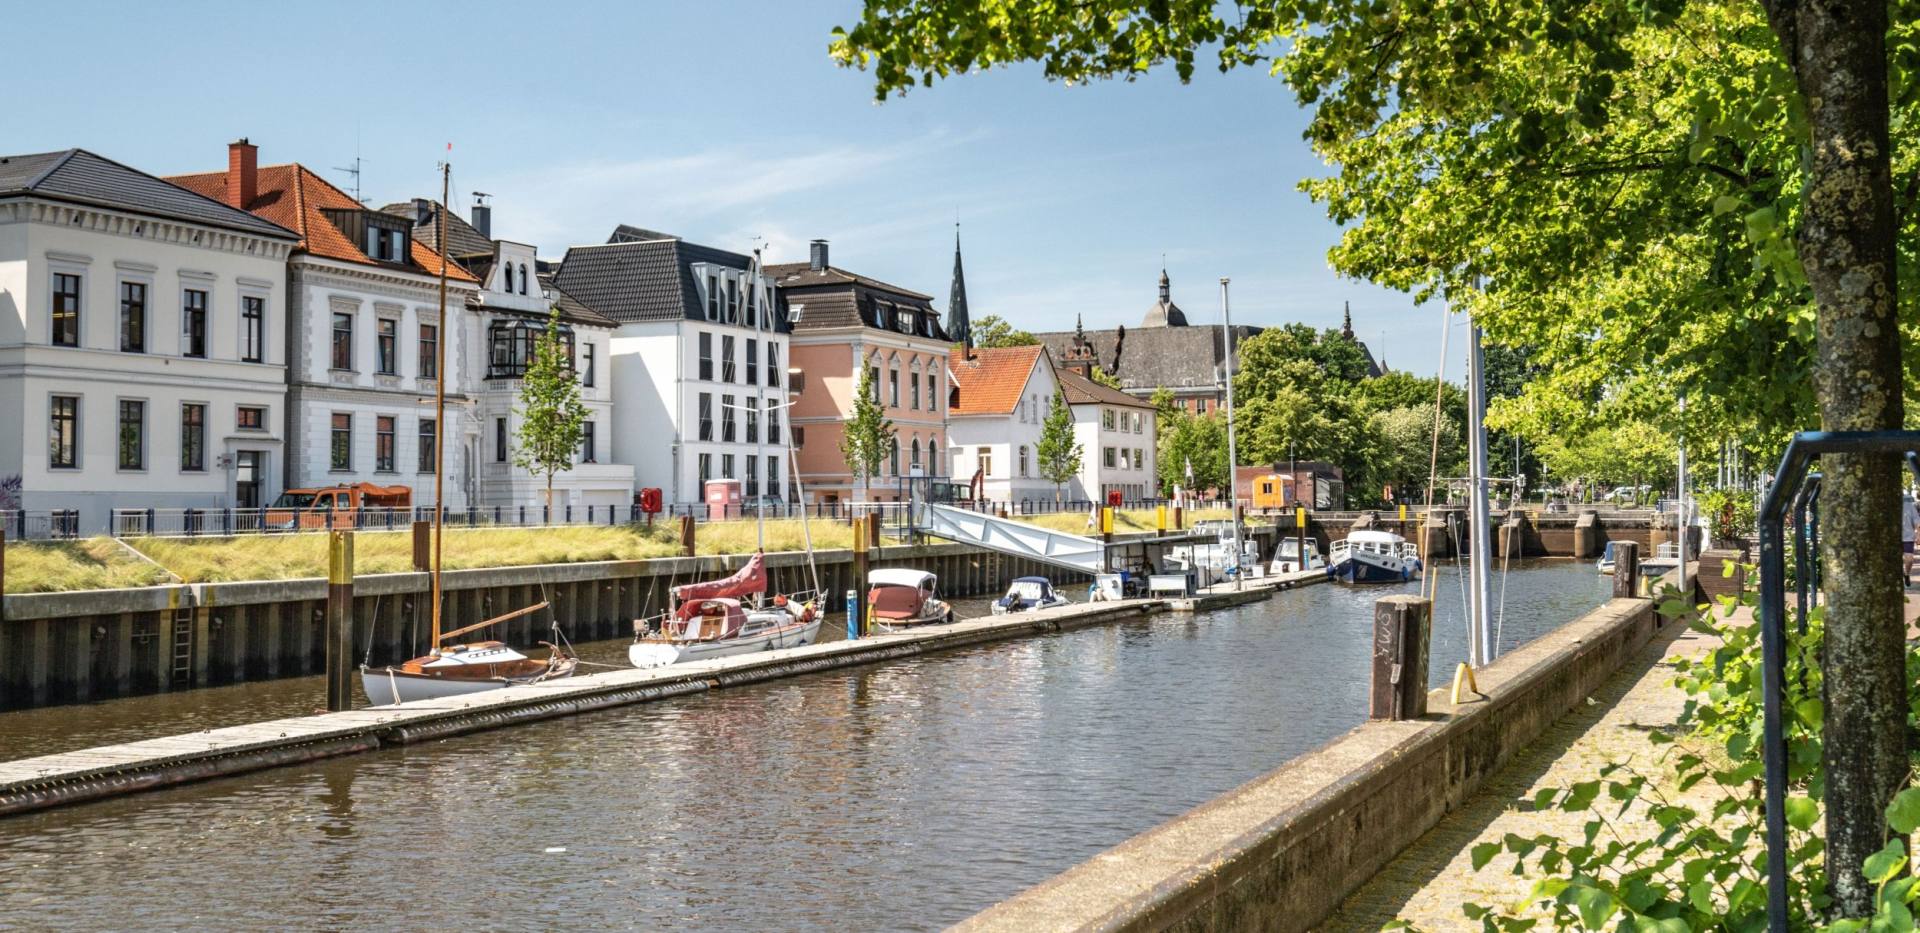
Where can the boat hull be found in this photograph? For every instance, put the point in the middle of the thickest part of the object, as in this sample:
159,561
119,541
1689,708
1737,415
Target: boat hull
385,687
1001,608
662,653
1373,568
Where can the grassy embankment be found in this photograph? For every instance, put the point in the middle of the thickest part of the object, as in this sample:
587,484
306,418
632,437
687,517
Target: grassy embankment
1124,520
97,563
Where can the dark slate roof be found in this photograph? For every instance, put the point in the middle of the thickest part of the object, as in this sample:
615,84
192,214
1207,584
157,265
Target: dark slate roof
1080,390
573,309
835,297
633,280
800,274
463,241
1154,357
81,177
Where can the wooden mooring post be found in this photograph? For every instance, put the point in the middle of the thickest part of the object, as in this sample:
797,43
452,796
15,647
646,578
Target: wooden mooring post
1626,569
1400,645
857,606
686,536
339,638
422,547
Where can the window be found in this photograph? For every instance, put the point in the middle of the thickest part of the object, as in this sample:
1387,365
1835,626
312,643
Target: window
586,378
706,356
387,347
876,383
773,476
1023,459
753,475
193,323
914,382
383,444
773,423
341,451
773,364
733,301
1126,459
133,317
753,319
753,421
726,359
893,387
253,329
706,416
1106,419
753,361
193,437
586,443
913,448
499,440
514,343
1106,457
342,341
726,466
508,271
66,309
933,392
726,418
893,456
523,278
1139,423
63,432
429,351
880,315
1139,459
706,470
427,443
713,297
984,456
1199,406
799,436
133,434
386,244
250,418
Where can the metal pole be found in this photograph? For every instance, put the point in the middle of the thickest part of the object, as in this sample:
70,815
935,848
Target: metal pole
339,636
1480,624
440,398
759,407
1233,458
1680,508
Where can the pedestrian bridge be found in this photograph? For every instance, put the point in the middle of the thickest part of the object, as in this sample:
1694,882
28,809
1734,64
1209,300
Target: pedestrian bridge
1058,548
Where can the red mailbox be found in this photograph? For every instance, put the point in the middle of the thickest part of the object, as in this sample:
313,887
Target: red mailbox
1113,497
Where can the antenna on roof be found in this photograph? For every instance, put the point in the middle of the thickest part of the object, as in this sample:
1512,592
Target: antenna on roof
353,171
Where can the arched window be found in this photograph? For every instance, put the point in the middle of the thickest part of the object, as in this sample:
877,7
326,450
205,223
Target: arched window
507,270
893,457
913,447
523,278
1023,459
893,381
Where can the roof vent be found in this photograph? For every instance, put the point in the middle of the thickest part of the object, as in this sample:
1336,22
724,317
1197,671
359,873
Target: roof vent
817,256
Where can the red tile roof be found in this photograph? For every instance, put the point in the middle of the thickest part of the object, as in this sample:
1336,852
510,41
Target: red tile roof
991,382
293,196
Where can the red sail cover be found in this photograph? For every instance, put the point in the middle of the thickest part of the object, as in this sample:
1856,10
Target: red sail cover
746,581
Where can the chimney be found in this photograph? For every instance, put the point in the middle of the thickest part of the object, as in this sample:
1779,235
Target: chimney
482,219
243,173
817,255
422,211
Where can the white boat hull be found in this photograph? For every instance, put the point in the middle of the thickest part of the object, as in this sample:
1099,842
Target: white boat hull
662,653
385,687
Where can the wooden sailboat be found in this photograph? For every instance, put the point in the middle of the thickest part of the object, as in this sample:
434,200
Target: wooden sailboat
475,666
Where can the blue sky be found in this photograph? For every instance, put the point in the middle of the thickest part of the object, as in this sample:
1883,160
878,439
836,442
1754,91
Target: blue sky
725,122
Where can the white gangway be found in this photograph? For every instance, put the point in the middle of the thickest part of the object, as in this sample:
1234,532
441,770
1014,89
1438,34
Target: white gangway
1070,551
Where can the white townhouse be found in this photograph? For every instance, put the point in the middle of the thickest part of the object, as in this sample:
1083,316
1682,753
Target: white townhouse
363,354
1117,439
142,342
503,322
1000,401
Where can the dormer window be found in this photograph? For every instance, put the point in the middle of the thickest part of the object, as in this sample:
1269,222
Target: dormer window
523,278
386,244
511,346
506,269
383,237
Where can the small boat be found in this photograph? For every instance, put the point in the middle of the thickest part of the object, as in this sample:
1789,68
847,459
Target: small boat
1028,594
1286,557
898,596
1373,557
463,669
710,621
1665,558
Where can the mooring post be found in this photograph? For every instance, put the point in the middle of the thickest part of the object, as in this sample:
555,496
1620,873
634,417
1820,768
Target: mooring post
1160,520
873,532
422,547
1400,643
339,620
856,623
1626,569
1179,518
1300,529
686,536
1106,537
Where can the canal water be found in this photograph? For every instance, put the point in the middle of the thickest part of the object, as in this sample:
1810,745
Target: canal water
904,795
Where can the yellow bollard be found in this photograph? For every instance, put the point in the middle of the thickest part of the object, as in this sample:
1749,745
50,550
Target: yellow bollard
1160,517
1403,511
1106,519
1463,675
1299,516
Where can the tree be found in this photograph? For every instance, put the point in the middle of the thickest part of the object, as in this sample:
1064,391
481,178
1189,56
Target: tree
991,331
1654,195
1199,440
1058,451
868,438
1105,378
551,414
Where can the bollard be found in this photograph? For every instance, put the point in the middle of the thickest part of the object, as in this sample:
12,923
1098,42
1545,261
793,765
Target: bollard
857,621
1179,518
1400,642
1626,569
339,636
1160,520
1300,526
686,536
853,614
422,547
873,532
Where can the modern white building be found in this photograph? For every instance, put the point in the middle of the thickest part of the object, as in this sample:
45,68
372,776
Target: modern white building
1000,401
142,342
503,321
1117,437
698,362
363,307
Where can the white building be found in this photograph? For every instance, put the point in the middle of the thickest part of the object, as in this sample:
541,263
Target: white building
142,341
364,310
696,362
503,321
1117,437
1002,397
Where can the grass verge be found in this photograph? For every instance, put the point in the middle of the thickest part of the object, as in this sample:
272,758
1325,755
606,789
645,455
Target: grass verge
1124,520
60,566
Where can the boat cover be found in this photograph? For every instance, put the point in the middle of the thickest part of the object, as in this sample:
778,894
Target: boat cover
896,602
745,582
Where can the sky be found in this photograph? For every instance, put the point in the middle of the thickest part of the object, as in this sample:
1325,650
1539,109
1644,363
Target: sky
728,124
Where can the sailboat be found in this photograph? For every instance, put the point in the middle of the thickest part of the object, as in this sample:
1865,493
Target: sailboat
710,620
475,666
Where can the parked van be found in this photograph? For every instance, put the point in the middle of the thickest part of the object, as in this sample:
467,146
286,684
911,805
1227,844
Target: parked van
340,505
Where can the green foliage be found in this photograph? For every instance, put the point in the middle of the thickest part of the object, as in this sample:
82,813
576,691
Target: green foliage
868,437
1632,452
1731,512
1105,378
1058,452
551,414
1200,440
991,331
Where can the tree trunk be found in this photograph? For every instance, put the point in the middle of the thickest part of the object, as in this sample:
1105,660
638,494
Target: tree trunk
1837,49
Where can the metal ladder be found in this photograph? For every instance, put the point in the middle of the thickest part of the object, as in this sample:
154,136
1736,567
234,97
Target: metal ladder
183,645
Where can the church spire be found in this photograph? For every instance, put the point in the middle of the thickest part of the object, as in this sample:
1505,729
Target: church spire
959,329
1346,327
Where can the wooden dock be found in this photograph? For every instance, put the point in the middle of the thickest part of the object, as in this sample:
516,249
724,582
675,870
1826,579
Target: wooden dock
106,771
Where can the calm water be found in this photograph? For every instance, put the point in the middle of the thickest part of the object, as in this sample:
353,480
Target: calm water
906,795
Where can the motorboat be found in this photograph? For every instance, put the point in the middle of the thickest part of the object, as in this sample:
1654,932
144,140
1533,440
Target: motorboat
463,669
1373,557
710,620
1028,594
1286,557
1665,557
899,596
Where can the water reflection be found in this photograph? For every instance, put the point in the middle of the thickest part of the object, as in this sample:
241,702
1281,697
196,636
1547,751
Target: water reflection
903,795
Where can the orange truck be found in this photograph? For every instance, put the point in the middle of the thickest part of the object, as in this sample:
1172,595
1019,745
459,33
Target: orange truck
340,505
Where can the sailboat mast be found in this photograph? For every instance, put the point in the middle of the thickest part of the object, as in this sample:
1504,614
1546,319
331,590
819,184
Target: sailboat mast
1233,495
1480,649
440,393
759,411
